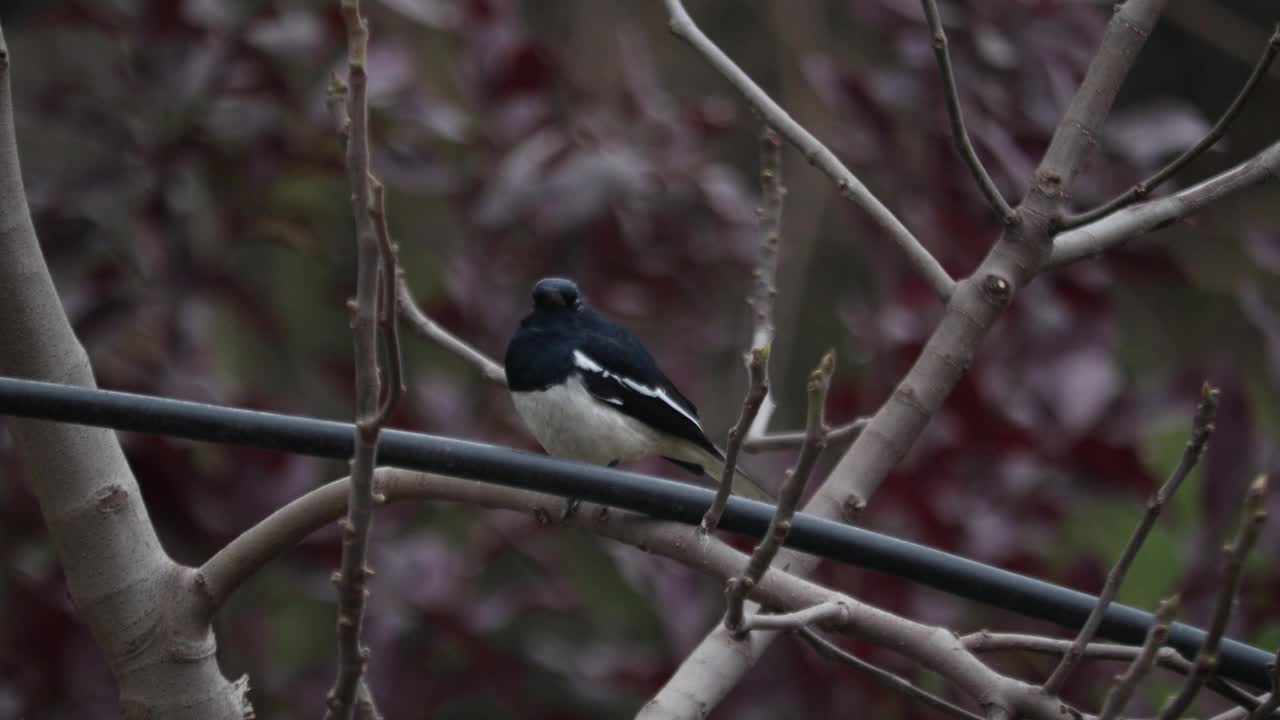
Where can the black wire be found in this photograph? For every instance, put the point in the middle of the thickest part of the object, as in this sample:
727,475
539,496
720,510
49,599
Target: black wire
665,499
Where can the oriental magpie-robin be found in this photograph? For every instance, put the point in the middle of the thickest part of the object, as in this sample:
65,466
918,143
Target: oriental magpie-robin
589,391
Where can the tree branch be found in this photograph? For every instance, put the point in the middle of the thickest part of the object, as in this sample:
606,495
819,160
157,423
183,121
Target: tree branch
1144,188
835,612
429,330
787,440
1166,657
934,648
1078,132
388,316
353,575
882,677
146,613
757,391
959,135
1272,703
1233,557
974,304
1201,430
814,151
1118,696
816,439
1120,227
765,286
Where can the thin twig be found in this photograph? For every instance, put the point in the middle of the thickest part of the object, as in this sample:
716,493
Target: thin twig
1233,557
882,677
428,329
353,574
1166,657
1118,228
388,318
772,194
1144,188
959,135
834,611
1201,430
786,440
737,589
814,151
1118,696
765,286
757,390
1272,703
772,198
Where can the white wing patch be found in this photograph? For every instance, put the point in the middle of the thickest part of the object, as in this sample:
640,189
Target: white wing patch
582,362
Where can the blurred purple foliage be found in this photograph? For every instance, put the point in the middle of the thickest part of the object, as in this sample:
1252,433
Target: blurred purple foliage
188,190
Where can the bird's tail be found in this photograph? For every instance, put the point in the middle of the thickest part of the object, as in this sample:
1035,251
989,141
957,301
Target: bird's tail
743,484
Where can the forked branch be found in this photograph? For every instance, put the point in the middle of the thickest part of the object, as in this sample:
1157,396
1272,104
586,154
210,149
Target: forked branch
1144,188
1201,430
739,587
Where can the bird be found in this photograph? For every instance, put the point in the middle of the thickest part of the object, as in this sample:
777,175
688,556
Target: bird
588,390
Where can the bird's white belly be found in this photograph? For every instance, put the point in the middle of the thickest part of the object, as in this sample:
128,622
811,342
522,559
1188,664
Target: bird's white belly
570,423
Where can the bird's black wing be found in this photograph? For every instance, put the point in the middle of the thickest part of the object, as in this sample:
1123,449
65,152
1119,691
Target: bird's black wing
617,370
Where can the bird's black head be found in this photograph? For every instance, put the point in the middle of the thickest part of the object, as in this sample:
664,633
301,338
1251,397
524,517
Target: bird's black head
556,294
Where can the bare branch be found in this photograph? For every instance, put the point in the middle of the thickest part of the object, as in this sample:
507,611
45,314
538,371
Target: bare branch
835,611
1201,430
1118,696
787,440
353,574
1166,657
765,287
388,318
1233,556
739,587
936,649
882,677
1124,225
1080,127
814,151
1272,703
772,194
959,135
1144,188
757,390
428,329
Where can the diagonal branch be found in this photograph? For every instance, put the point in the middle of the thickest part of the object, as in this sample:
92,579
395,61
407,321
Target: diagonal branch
882,677
788,498
426,328
814,151
1120,227
959,135
1118,696
973,307
1144,188
757,391
1233,557
1201,430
